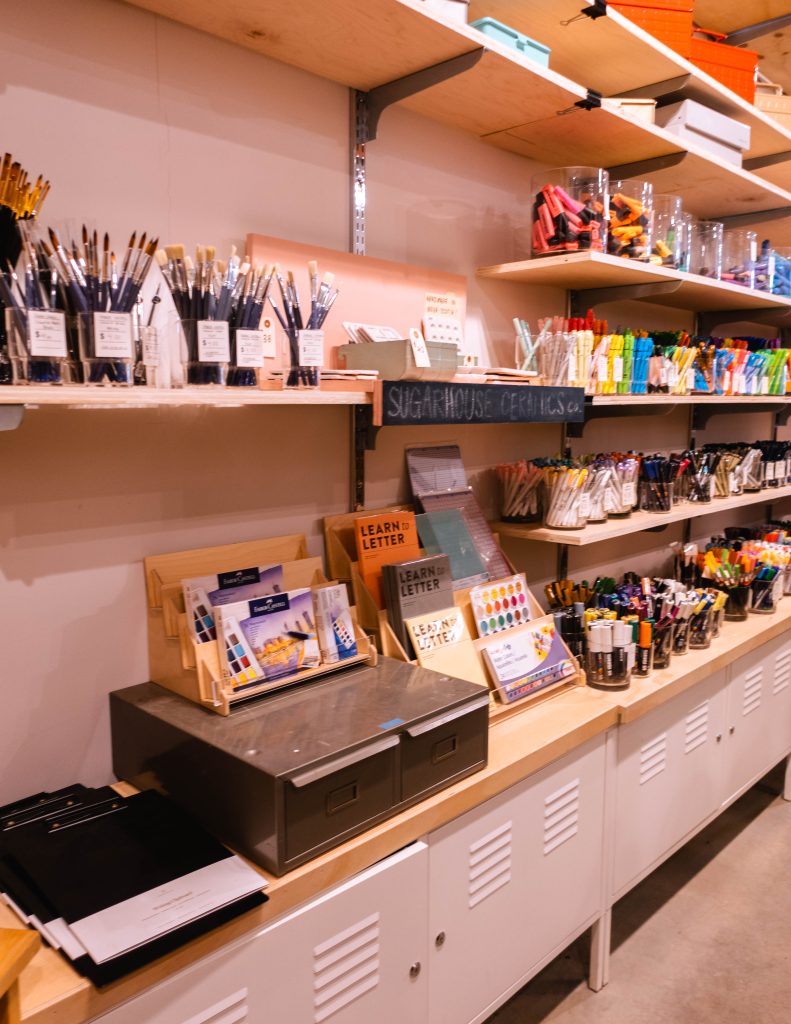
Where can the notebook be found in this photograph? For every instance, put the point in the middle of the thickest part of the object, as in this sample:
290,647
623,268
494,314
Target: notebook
442,642
416,587
446,531
381,539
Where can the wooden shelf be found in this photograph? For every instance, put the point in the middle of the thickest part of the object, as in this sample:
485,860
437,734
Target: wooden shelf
745,401
146,398
595,533
584,270
508,101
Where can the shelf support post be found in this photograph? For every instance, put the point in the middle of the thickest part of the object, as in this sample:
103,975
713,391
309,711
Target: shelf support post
363,439
367,108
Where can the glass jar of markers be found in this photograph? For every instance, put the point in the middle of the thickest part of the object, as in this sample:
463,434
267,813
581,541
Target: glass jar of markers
570,210
701,629
668,231
631,219
656,495
739,256
781,277
664,637
706,250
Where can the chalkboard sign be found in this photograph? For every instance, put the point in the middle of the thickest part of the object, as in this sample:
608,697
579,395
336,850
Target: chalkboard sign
406,402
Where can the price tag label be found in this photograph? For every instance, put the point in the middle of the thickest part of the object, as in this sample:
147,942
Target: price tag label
690,380
629,493
780,467
769,471
733,483
672,376
572,369
603,368
112,335
764,389
151,349
419,348
269,338
663,375
726,382
47,333
249,348
584,506
213,342
311,348
712,488
617,369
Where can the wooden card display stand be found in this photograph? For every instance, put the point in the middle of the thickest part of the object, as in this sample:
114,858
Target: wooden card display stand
339,538
193,670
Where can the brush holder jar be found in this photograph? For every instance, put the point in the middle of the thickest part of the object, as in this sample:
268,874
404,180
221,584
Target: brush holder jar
305,358
106,348
35,349
208,352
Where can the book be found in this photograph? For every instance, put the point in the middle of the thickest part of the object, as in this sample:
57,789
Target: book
446,531
416,587
521,661
501,605
334,624
381,539
268,638
202,594
443,643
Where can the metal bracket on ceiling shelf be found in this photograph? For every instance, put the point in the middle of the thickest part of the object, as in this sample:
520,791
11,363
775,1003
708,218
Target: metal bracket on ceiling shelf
606,412
772,316
760,28
656,90
743,220
364,435
648,166
592,100
11,416
584,299
755,163
382,96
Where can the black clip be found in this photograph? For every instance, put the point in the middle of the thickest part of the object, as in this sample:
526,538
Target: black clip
598,9
591,101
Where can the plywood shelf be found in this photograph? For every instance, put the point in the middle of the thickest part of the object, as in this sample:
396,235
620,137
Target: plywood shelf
586,270
147,398
595,533
726,401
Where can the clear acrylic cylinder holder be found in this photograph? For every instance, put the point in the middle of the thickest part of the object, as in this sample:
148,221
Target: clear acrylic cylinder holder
706,249
764,596
106,347
566,508
668,234
781,278
687,231
247,357
701,630
305,353
208,352
570,210
656,496
35,350
630,234
664,637
739,256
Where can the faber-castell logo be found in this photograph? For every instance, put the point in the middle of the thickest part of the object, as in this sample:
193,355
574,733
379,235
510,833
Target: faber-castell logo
267,605
238,578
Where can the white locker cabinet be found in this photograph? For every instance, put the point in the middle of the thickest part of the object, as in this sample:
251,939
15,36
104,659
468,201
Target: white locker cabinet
668,778
759,715
510,881
353,956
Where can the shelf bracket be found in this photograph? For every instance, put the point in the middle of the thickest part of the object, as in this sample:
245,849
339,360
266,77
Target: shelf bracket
760,28
617,412
586,298
647,166
377,100
743,220
657,90
755,163
702,413
11,416
364,435
774,317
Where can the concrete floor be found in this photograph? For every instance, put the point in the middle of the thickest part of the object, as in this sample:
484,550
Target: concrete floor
706,938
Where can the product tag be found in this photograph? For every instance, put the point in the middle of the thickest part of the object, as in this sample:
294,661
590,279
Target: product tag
769,471
672,375
419,348
712,488
213,341
629,493
617,369
663,375
311,348
149,336
726,382
112,335
603,368
690,380
47,333
764,385
733,483
572,369
249,348
268,338
584,507
754,385
780,470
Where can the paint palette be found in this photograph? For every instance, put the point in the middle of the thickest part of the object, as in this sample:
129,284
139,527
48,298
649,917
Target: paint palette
500,605
240,664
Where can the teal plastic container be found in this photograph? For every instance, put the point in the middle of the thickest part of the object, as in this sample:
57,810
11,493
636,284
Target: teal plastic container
517,40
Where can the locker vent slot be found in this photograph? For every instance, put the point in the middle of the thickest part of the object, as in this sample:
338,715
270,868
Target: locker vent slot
782,676
653,758
232,1010
753,684
489,864
561,816
345,967
697,728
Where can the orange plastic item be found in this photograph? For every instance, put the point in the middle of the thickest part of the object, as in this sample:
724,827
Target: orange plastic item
731,65
669,21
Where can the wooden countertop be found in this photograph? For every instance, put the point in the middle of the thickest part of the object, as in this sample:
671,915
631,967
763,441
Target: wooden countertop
519,745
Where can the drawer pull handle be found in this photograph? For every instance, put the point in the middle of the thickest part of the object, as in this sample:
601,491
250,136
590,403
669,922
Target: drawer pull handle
414,970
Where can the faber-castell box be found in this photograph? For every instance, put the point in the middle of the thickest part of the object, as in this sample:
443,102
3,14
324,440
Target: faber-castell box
395,360
301,772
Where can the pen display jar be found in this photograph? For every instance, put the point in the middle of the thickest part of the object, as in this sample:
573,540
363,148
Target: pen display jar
681,636
656,496
700,486
765,595
521,492
765,269
631,219
751,471
208,351
739,256
106,347
566,503
35,349
706,249
664,638
305,358
686,232
781,277
738,604
570,211
701,629
668,231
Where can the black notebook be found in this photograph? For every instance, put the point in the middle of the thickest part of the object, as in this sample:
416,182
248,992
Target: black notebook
416,587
